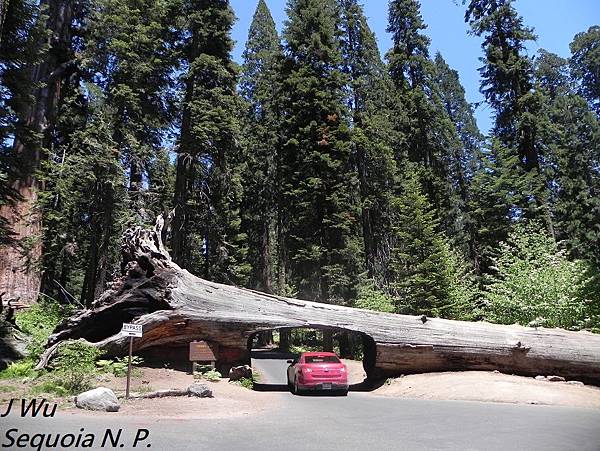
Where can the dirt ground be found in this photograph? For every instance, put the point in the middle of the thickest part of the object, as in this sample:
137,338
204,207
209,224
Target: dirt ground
229,399
490,387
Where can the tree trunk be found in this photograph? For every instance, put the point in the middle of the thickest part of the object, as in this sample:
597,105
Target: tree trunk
174,307
20,274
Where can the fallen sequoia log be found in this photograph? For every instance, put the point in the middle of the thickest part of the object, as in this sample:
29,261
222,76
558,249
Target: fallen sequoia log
174,307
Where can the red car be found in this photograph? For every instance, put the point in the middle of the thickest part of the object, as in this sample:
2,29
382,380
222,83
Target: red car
317,371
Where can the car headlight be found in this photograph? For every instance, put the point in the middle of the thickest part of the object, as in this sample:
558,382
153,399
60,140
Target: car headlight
307,370
343,370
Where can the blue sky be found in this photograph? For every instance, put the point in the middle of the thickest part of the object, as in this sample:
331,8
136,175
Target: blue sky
555,23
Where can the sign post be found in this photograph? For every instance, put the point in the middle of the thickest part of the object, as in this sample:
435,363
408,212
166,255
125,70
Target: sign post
130,330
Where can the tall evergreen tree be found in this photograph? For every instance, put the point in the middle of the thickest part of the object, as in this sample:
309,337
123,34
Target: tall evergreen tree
206,235
129,51
570,137
429,133
464,158
372,133
420,257
585,65
507,85
259,87
317,176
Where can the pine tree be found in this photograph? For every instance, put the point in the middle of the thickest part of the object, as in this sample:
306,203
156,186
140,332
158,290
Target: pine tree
507,85
372,134
259,86
206,235
84,205
585,65
420,264
317,178
129,51
463,160
570,135
18,50
430,135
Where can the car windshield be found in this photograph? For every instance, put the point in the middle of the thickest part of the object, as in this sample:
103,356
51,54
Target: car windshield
321,359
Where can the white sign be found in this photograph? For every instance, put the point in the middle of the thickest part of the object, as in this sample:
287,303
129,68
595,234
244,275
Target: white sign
132,330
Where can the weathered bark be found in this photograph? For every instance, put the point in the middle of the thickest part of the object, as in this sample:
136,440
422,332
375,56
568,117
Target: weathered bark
176,307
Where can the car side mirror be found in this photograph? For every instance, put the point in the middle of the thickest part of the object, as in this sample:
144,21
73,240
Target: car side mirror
290,361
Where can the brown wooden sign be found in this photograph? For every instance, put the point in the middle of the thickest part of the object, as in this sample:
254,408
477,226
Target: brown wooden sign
201,351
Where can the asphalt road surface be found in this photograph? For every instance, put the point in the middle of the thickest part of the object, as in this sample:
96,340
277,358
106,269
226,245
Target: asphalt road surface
358,422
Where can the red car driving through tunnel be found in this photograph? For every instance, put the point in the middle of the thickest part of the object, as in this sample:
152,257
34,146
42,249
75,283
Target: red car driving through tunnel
317,371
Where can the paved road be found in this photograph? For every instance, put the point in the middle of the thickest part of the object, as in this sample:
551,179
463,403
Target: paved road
358,422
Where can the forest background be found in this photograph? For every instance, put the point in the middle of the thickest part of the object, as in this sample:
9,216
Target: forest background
317,168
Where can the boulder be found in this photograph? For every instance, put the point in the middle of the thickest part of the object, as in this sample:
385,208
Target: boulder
540,378
555,378
200,390
100,398
239,372
575,383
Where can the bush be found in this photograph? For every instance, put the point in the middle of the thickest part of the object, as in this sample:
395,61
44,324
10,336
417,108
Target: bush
118,366
17,370
39,321
50,385
212,376
74,365
536,284
370,298
248,382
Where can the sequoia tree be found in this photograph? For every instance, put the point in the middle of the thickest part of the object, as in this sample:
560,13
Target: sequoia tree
206,235
317,176
39,85
259,87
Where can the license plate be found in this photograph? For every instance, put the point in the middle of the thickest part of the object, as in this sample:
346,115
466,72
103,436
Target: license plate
326,386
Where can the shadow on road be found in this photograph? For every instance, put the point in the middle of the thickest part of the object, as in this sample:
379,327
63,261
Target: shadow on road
270,387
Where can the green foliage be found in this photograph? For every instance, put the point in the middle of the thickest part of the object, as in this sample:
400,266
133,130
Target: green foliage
74,365
18,370
318,212
207,236
212,376
535,283
248,382
421,267
585,64
39,321
370,298
51,386
118,367
259,86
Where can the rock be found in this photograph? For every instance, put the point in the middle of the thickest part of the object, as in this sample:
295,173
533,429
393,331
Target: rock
555,378
540,378
575,383
200,390
496,371
100,398
239,372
